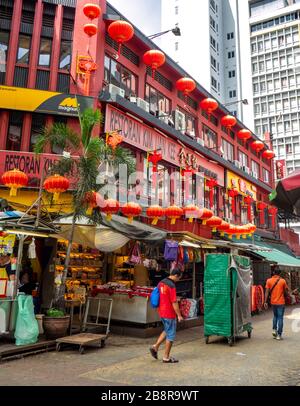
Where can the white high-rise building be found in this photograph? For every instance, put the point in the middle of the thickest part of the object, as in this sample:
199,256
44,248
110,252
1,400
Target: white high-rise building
214,40
275,60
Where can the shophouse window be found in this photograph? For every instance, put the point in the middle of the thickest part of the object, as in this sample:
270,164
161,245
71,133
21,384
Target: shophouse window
38,123
14,134
190,123
228,150
23,49
65,55
158,190
158,102
243,158
209,137
4,40
45,52
119,76
255,169
266,175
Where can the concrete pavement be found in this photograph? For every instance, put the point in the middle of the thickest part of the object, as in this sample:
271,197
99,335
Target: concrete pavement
126,361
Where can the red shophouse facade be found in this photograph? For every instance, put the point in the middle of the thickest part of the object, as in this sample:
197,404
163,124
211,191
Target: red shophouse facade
42,54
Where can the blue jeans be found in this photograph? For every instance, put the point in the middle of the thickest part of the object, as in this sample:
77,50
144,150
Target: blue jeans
170,328
278,311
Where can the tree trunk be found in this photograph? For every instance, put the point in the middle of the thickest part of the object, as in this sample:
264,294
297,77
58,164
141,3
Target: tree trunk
59,299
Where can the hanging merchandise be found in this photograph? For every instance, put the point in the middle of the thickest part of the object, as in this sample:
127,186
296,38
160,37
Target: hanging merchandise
191,255
261,206
120,31
32,250
155,59
180,254
248,200
15,180
211,184
135,255
197,256
273,211
233,193
171,250
173,213
131,210
185,256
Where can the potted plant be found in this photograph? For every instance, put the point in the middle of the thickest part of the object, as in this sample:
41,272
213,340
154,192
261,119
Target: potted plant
56,323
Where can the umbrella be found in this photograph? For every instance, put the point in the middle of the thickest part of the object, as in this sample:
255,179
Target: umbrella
287,193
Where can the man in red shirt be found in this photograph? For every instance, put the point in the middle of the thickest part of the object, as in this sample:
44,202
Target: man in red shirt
276,287
168,310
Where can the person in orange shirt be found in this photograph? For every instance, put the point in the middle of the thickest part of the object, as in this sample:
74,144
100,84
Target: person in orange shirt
276,287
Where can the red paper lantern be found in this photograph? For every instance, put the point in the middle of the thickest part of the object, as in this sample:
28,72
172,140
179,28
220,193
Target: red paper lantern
214,222
186,86
154,157
223,228
209,105
131,210
233,193
268,154
91,10
154,58
248,200
56,184
251,229
174,213
155,212
90,29
273,213
211,184
14,179
120,31
109,207
191,212
228,121
205,214
261,206
257,146
244,134
231,231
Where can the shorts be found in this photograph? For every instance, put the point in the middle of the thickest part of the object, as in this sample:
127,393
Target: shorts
170,328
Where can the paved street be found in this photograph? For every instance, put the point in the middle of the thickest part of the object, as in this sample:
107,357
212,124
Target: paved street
126,361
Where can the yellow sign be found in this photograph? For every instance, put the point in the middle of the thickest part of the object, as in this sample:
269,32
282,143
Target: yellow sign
243,186
7,243
18,98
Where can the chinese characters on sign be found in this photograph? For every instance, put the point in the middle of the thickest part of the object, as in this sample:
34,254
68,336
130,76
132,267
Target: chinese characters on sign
280,169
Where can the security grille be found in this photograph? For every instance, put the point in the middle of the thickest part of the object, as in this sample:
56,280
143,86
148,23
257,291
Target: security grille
130,55
20,76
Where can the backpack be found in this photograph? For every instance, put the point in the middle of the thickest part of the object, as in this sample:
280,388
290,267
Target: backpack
154,298
171,250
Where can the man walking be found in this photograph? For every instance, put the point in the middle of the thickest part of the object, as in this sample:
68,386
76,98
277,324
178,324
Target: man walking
276,288
168,310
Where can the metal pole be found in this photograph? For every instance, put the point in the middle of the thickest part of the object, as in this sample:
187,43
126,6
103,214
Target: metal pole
19,262
194,280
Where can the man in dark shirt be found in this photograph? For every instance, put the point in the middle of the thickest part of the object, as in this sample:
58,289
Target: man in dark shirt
158,274
168,311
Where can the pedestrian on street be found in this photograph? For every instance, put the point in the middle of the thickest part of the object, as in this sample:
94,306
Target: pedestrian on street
168,310
276,288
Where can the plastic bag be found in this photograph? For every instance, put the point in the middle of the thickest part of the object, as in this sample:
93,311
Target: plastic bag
32,250
27,329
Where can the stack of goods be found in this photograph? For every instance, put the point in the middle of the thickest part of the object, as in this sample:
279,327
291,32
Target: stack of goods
188,308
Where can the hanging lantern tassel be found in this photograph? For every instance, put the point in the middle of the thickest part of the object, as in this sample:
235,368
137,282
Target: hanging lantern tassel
273,213
261,208
248,202
211,184
233,194
155,213
154,157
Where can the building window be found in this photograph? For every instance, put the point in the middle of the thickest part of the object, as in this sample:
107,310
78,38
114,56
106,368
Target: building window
230,35
231,54
176,10
14,134
266,175
213,42
176,46
255,169
231,74
65,55
190,123
228,150
158,102
45,52
210,137
4,41
23,49
38,123
212,23
214,83
213,62
119,76
243,158
232,94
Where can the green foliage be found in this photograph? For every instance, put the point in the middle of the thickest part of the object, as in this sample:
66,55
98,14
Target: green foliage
58,135
53,312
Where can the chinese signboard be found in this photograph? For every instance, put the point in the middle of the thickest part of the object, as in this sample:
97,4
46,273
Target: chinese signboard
280,169
244,187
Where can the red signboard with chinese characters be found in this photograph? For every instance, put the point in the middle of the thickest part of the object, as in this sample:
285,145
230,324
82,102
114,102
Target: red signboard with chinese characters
281,169
147,139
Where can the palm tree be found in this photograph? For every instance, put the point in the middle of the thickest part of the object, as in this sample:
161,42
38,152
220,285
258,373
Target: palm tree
83,155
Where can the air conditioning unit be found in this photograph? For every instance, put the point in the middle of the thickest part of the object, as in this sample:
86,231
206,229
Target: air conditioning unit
246,169
180,121
115,90
237,164
163,116
132,99
200,141
191,133
142,104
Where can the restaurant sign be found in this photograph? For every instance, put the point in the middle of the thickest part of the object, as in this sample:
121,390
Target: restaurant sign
146,138
241,185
